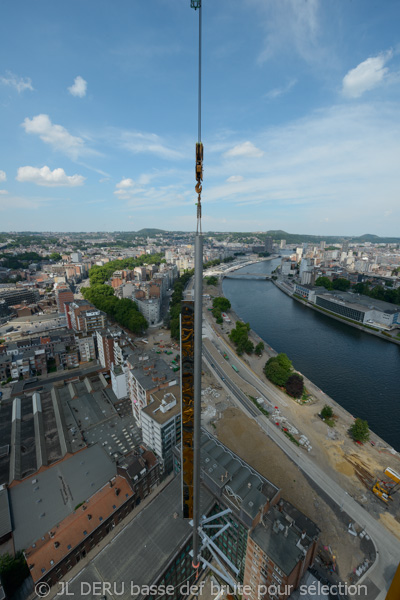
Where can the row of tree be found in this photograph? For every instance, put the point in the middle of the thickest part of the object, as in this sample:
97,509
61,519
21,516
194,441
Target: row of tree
102,274
379,292
124,311
279,370
220,305
337,284
240,337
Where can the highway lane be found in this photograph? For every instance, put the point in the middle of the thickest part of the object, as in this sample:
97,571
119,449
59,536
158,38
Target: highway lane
386,544
272,396
230,385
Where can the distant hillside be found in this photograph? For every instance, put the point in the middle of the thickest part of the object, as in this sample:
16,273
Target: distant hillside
299,238
149,232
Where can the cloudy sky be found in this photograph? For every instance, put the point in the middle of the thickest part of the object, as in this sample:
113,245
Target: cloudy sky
301,115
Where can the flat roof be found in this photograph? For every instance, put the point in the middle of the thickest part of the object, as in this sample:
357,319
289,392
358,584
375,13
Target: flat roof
5,517
359,301
153,409
42,501
145,373
281,537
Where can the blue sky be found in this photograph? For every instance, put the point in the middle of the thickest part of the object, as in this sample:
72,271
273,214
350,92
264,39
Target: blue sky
301,115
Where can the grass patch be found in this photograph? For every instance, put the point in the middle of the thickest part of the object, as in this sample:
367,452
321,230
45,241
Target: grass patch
291,437
330,422
260,408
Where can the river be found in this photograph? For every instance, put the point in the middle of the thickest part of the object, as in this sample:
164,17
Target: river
357,370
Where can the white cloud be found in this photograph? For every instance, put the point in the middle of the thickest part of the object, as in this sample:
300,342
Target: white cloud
3,176
365,76
247,149
55,135
48,178
289,25
234,179
79,87
19,83
147,143
125,183
276,92
4,192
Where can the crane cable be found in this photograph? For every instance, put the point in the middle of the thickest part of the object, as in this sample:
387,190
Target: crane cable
199,146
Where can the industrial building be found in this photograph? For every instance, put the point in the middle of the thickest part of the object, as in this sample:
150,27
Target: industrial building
356,307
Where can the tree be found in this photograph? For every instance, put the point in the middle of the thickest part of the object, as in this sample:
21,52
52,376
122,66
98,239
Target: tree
240,337
341,284
13,571
259,348
284,361
217,315
222,303
359,431
55,256
295,385
275,372
327,412
324,282
211,280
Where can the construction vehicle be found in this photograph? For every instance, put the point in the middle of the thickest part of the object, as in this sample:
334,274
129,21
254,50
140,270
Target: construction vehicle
385,490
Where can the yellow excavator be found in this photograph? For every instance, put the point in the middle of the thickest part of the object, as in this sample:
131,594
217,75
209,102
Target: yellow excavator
385,489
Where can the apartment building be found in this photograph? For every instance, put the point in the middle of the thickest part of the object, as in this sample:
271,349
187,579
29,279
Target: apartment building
86,348
63,294
161,424
105,348
19,295
147,376
83,317
119,382
150,309
280,548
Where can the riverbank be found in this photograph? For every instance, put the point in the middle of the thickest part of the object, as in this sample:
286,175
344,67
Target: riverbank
366,329
333,448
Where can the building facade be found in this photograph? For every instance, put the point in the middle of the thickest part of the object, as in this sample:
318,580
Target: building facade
161,424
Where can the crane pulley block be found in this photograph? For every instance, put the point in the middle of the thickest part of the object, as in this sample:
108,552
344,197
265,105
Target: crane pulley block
195,4
199,162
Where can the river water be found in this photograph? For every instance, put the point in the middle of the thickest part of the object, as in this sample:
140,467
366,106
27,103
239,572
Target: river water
358,370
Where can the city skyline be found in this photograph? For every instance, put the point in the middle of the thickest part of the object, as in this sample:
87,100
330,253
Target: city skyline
300,117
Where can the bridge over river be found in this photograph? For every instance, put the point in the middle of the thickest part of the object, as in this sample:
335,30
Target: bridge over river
258,276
